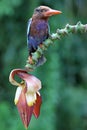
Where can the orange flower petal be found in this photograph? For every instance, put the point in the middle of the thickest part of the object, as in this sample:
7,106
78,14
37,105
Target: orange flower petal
36,110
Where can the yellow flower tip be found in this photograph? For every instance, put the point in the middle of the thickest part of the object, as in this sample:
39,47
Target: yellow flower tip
17,95
30,98
30,104
15,101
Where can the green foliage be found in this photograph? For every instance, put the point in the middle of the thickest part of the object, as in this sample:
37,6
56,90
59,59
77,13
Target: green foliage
64,75
7,6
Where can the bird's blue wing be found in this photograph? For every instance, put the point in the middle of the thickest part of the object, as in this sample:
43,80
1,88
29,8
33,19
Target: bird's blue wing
31,42
28,28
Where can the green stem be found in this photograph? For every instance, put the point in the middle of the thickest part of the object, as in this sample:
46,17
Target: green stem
78,28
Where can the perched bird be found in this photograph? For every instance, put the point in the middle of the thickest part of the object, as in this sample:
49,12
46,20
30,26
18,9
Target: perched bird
38,29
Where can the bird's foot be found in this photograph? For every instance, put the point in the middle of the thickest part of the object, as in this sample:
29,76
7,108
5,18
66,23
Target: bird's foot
30,59
41,45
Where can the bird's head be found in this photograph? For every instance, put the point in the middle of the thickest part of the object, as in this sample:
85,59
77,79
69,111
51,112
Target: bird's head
45,12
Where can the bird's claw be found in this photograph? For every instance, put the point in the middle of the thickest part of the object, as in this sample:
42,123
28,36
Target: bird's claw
30,59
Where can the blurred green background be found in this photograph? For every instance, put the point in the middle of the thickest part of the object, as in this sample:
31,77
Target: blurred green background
64,75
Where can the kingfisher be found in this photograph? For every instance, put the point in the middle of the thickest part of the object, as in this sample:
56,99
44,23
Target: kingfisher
38,30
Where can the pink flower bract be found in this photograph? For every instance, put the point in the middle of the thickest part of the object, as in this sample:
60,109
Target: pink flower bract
27,97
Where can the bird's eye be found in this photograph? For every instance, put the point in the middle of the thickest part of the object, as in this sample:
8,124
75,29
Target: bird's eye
42,10
37,10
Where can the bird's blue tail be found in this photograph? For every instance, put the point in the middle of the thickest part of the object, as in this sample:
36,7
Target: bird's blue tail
41,61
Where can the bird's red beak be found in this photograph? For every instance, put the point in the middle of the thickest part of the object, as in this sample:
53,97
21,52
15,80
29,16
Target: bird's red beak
51,12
